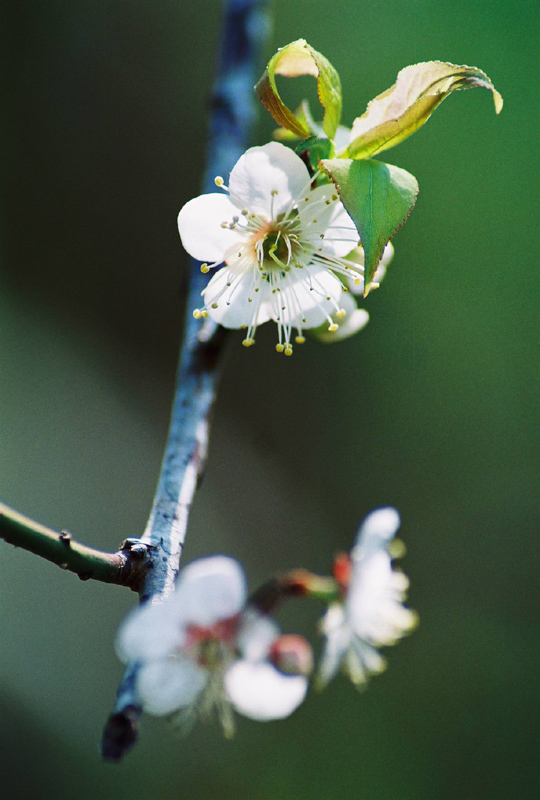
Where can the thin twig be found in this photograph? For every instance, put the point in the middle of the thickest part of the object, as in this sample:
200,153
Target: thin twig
231,114
126,567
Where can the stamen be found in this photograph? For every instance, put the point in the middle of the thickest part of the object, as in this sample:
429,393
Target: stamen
220,183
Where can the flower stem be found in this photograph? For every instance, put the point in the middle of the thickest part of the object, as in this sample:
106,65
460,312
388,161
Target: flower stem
126,567
231,114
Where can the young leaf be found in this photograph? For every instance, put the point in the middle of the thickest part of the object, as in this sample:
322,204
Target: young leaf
298,58
401,110
317,149
305,118
379,197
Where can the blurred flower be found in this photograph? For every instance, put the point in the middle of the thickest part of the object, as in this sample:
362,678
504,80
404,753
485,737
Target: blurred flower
283,244
201,649
371,613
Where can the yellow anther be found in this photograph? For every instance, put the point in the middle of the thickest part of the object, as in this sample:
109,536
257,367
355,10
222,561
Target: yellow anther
288,350
214,305
334,197
333,327
341,313
280,348
224,224
300,339
397,548
204,314
248,342
357,280
314,220
218,180
274,192
244,212
197,313
205,268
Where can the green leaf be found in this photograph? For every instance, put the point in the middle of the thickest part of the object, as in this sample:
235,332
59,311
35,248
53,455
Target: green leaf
298,58
379,197
399,111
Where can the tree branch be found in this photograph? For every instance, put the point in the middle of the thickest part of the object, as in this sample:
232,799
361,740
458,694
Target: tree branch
126,567
231,114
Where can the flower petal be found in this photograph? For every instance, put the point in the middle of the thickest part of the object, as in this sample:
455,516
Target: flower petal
150,632
378,528
166,685
338,638
256,635
259,691
263,170
199,225
374,602
341,234
210,589
230,290
309,294
323,216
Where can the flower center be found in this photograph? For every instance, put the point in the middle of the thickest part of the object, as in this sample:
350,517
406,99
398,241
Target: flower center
277,251
211,646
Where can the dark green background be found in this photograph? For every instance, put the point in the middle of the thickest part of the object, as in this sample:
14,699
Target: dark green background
434,408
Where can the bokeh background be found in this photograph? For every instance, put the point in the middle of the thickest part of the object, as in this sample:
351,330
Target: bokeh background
433,408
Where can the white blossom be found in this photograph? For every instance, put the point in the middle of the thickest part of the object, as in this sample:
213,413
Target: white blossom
371,613
281,245
357,256
201,649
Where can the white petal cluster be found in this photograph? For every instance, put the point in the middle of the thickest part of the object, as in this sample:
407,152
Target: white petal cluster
201,650
371,613
282,247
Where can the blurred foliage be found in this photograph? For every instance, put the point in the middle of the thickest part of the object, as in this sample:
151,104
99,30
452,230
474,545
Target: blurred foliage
433,408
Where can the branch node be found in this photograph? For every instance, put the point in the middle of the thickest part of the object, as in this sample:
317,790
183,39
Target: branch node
65,538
